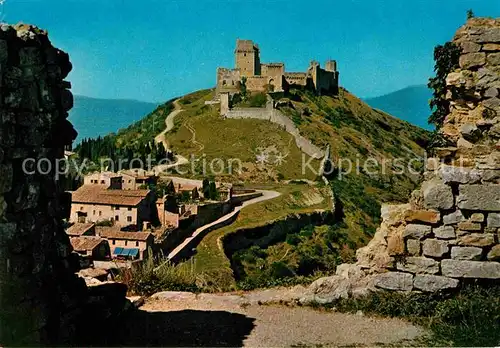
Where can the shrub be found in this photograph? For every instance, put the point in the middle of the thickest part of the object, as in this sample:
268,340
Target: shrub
154,275
469,317
258,100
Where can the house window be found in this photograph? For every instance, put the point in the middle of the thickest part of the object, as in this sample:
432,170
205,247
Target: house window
129,181
129,218
113,242
136,244
81,208
93,213
126,242
117,208
123,180
117,218
100,213
103,182
129,209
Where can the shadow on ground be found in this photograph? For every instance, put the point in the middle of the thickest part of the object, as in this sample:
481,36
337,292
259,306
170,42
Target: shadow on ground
186,328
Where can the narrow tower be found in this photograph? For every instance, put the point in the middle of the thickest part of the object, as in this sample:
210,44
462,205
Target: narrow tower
247,58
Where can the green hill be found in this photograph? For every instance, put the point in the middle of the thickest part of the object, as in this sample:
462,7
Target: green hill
410,104
93,117
355,132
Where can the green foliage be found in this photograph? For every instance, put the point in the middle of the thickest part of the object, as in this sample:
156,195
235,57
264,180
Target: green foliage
105,223
258,100
470,317
210,190
446,60
470,14
290,258
243,87
154,275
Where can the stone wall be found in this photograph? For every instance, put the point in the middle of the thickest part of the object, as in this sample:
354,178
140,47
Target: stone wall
450,229
39,292
448,234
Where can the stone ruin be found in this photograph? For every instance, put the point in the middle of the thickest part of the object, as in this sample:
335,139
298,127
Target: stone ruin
449,232
41,298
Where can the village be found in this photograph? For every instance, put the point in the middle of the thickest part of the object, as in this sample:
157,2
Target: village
120,219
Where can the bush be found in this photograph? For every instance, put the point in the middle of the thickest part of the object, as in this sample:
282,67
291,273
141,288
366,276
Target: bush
154,275
470,317
258,100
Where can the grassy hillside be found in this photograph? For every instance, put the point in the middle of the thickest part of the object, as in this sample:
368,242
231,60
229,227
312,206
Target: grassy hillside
93,117
410,104
355,132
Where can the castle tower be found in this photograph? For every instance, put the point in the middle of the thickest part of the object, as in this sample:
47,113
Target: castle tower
331,65
247,58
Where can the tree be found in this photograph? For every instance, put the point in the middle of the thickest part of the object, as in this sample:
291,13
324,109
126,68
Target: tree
447,59
206,189
470,14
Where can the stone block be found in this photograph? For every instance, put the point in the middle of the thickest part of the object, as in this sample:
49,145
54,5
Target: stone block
491,47
491,92
394,281
444,232
479,197
494,254
453,218
471,60
424,216
452,174
418,265
466,253
477,217
493,58
413,247
414,231
469,226
470,269
433,283
435,247
5,178
477,239
493,220
470,47
437,195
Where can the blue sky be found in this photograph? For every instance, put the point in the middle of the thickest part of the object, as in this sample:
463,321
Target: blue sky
153,50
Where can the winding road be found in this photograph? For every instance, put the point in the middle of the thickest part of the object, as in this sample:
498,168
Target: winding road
160,138
188,242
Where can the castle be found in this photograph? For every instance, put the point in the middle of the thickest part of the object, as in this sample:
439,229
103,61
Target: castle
271,77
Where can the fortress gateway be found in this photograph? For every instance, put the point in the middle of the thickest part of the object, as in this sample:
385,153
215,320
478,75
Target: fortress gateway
271,77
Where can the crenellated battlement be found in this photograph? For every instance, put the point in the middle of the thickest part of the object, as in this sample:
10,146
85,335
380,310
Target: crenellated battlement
264,77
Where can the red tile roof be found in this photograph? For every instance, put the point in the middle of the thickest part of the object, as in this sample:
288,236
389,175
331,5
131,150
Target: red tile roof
115,233
85,243
79,229
92,194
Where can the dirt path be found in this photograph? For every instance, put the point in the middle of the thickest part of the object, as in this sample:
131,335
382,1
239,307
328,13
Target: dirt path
169,122
201,147
235,320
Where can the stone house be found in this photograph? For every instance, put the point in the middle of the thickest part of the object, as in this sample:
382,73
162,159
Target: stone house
135,179
108,179
92,247
127,245
125,208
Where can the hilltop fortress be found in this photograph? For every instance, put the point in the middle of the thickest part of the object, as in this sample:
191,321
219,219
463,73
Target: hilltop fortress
271,77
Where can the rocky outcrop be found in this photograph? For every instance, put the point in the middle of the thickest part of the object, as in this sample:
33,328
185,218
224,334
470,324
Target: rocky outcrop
41,298
450,229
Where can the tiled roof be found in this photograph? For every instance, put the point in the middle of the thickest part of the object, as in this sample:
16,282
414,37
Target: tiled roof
79,229
114,233
92,194
84,243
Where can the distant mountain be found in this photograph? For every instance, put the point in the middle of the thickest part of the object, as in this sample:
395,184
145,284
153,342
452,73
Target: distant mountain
410,104
92,117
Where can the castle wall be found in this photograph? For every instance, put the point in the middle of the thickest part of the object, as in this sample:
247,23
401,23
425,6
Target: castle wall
228,80
450,230
40,296
296,78
257,83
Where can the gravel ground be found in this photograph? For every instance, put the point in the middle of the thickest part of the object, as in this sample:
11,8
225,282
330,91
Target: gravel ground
185,319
